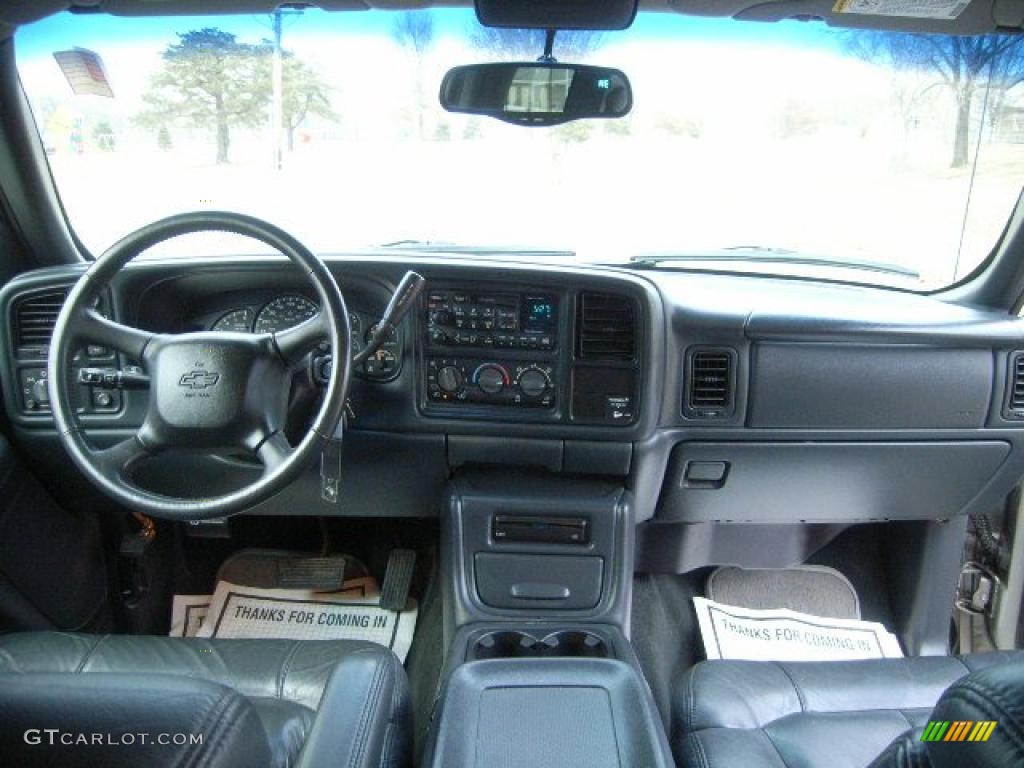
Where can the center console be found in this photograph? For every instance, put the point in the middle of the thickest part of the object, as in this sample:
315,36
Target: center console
535,545
537,563
539,672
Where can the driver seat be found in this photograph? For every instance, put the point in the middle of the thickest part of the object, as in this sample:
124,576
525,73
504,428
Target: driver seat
255,702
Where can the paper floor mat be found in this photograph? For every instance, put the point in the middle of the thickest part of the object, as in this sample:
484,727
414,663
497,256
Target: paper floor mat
731,632
237,611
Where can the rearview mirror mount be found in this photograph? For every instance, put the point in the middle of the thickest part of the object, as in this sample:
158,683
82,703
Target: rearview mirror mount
557,14
541,93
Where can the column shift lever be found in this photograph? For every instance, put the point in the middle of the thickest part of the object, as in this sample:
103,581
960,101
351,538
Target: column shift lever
405,295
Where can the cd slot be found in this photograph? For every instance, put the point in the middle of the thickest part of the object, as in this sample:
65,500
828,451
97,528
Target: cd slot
540,529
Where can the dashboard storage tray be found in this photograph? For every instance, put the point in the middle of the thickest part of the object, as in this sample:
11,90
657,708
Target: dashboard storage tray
538,581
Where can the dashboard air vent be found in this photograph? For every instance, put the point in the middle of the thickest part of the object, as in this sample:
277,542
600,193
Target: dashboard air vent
605,327
36,316
1017,384
709,391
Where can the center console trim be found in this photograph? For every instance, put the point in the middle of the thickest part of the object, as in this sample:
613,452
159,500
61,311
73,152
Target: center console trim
473,499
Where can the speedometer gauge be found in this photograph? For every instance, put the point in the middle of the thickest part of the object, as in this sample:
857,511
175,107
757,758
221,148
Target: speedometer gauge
237,320
284,312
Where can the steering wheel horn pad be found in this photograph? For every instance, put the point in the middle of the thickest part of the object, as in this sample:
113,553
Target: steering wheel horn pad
214,390
209,390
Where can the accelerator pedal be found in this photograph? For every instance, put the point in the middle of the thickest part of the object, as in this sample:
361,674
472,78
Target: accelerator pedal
397,580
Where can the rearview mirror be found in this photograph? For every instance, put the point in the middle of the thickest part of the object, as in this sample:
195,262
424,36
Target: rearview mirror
537,93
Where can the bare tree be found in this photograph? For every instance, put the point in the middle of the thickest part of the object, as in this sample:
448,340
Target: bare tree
528,44
414,30
964,65
305,94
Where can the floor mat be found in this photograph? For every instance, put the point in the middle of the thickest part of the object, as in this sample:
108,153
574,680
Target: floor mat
265,610
779,634
811,589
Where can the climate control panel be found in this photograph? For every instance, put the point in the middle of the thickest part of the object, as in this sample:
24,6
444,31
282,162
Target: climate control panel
491,382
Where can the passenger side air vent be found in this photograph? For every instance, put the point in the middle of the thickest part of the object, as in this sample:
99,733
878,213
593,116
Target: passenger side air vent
36,316
605,327
1015,396
710,383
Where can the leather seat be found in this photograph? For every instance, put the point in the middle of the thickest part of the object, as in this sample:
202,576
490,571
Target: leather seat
830,714
993,695
256,702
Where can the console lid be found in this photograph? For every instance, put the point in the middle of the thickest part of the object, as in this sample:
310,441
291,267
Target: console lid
547,713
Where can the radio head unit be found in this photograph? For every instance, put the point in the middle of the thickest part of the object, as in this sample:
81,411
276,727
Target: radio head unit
457,318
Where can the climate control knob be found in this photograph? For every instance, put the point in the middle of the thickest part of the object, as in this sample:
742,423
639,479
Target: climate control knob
533,382
491,379
450,379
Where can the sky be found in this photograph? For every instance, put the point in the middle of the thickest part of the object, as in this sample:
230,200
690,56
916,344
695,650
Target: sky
55,32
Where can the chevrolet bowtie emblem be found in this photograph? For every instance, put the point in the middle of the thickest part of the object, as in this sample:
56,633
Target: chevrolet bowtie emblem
199,379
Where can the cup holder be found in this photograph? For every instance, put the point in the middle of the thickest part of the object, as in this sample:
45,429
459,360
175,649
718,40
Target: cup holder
505,645
515,644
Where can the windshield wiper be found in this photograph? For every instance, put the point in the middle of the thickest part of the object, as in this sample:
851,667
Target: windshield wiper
417,244
440,246
764,254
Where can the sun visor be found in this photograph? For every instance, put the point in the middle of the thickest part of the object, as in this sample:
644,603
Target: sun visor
953,17
16,12
216,7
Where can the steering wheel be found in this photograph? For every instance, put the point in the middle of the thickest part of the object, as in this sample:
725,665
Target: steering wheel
209,391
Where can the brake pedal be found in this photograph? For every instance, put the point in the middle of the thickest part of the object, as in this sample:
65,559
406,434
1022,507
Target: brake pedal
318,574
397,579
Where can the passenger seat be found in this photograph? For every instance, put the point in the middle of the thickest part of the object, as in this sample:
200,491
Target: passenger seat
850,714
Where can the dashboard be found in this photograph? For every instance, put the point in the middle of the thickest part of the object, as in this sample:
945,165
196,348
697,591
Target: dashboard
712,397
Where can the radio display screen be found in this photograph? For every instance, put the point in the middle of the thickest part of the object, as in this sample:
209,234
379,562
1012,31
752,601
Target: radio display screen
540,314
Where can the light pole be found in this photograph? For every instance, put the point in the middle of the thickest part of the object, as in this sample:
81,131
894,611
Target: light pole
277,98
277,85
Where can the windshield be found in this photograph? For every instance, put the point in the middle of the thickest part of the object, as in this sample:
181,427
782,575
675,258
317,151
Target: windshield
808,144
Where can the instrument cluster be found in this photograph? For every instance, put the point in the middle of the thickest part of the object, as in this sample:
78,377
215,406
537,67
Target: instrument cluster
286,311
